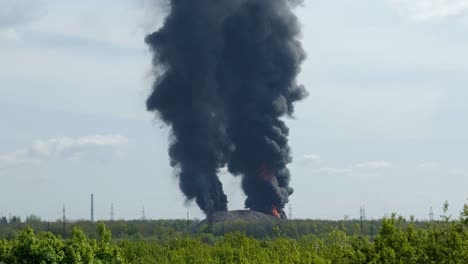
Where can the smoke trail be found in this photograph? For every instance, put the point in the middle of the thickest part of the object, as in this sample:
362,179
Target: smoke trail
229,70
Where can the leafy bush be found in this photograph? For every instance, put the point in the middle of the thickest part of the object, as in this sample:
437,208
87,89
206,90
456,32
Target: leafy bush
47,248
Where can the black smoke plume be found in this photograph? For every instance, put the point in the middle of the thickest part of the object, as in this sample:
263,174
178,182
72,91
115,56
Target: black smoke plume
226,74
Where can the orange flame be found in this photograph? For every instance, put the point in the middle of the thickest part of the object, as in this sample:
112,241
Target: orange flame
275,212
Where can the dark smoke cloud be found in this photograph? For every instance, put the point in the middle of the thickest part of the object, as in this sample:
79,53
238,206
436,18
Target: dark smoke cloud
228,75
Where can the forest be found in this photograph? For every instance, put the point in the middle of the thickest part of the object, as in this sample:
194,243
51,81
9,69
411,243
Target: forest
388,240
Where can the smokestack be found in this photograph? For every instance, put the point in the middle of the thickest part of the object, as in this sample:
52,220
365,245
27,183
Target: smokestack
225,75
92,208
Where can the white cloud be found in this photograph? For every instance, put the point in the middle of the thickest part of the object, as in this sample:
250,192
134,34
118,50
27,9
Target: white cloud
310,159
423,10
363,176
17,158
331,171
98,147
373,165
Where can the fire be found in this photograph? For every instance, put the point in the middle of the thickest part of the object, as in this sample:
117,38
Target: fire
275,212
267,175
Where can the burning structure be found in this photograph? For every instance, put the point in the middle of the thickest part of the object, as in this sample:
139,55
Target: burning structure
225,75
237,216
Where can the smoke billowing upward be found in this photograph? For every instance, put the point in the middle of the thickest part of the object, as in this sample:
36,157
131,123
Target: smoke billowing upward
226,73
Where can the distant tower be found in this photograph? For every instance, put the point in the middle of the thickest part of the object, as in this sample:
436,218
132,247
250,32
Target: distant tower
431,215
92,208
143,216
290,212
362,217
112,212
64,220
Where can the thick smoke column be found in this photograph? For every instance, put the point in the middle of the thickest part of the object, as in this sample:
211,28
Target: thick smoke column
226,73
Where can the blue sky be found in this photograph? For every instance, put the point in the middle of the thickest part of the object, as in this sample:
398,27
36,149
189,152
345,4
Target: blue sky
384,125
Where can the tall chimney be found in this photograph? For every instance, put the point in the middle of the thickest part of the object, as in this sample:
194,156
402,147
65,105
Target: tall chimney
92,208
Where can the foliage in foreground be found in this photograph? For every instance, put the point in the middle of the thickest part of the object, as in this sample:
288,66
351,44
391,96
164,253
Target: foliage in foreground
47,248
396,242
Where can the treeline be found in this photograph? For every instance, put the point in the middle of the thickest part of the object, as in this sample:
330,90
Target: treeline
163,230
128,230
396,241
